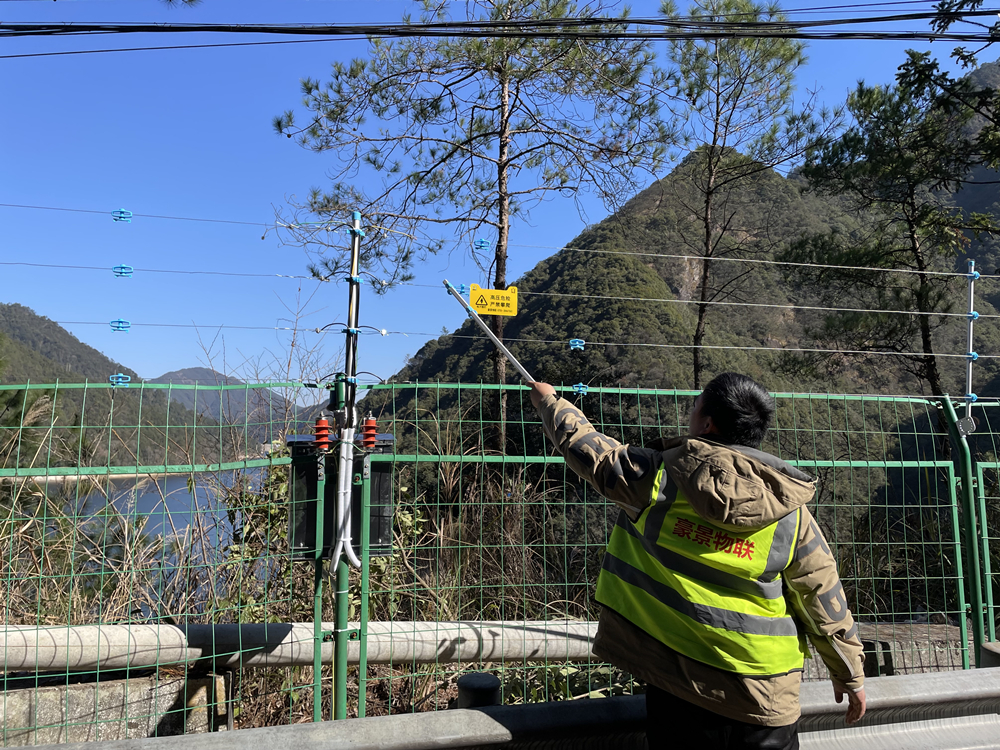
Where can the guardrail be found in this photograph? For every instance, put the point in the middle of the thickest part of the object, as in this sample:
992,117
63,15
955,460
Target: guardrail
940,710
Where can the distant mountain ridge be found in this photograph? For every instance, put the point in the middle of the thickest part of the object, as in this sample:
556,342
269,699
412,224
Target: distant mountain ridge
37,349
196,375
94,425
227,407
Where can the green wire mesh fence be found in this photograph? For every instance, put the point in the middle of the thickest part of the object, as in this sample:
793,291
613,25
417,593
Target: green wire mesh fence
167,508
986,452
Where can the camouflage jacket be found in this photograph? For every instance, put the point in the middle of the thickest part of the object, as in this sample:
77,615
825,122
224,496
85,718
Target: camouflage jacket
731,487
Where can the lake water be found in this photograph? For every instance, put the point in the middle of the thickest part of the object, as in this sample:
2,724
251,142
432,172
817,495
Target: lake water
174,507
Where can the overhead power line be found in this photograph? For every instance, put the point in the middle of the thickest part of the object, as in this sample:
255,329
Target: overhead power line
532,27
172,47
564,28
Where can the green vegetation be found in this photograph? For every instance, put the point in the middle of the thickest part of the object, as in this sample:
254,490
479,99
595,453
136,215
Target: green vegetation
909,144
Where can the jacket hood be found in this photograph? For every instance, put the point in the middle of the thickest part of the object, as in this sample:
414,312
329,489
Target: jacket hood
732,486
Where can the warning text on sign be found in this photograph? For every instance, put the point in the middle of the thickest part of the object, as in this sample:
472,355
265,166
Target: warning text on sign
494,301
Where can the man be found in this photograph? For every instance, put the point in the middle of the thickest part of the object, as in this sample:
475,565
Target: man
713,572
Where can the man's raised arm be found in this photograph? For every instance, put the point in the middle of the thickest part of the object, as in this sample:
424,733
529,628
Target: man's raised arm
624,474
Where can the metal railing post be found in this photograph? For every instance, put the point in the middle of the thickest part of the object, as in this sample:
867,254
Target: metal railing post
970,527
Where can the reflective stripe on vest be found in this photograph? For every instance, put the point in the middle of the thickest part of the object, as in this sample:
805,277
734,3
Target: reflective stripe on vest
711,594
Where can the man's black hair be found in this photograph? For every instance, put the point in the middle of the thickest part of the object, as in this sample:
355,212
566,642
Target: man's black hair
740,408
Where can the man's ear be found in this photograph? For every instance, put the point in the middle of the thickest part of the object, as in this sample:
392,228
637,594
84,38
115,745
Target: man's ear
710,428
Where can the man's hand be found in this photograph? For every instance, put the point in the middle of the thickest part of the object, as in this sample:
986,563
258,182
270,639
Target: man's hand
540,391
855,702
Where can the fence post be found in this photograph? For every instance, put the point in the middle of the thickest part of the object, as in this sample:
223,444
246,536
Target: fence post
970,528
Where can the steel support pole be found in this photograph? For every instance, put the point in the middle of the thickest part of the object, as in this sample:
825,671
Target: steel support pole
970,527
342,630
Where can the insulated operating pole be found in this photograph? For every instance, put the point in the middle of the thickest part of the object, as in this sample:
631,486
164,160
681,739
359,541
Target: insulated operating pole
493,337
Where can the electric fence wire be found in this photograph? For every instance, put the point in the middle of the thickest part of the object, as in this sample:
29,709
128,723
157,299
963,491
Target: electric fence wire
383,332
603,297
668,300
729,347
774,306
761,261
557,248
163,270
300,329
139,216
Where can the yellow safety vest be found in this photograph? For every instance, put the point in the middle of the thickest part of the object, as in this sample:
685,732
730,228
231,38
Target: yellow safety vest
711,594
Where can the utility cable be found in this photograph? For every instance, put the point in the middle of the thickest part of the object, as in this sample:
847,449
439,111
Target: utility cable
538,30
176,46
506,27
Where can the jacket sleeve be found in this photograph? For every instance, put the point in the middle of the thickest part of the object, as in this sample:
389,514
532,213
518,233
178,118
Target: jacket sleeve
624,474
818,599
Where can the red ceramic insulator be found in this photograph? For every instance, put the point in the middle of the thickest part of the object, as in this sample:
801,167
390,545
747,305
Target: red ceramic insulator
368,432
322,435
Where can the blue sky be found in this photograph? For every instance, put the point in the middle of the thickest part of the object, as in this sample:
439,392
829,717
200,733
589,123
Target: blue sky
187,133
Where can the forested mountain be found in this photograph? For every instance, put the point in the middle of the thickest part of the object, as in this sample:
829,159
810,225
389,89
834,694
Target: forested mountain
96,425
628,286
32,347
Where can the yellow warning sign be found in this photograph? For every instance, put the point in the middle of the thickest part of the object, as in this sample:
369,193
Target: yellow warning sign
494,301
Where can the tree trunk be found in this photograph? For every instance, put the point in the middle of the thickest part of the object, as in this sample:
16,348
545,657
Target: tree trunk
699,329
500,257
706,269
930,367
